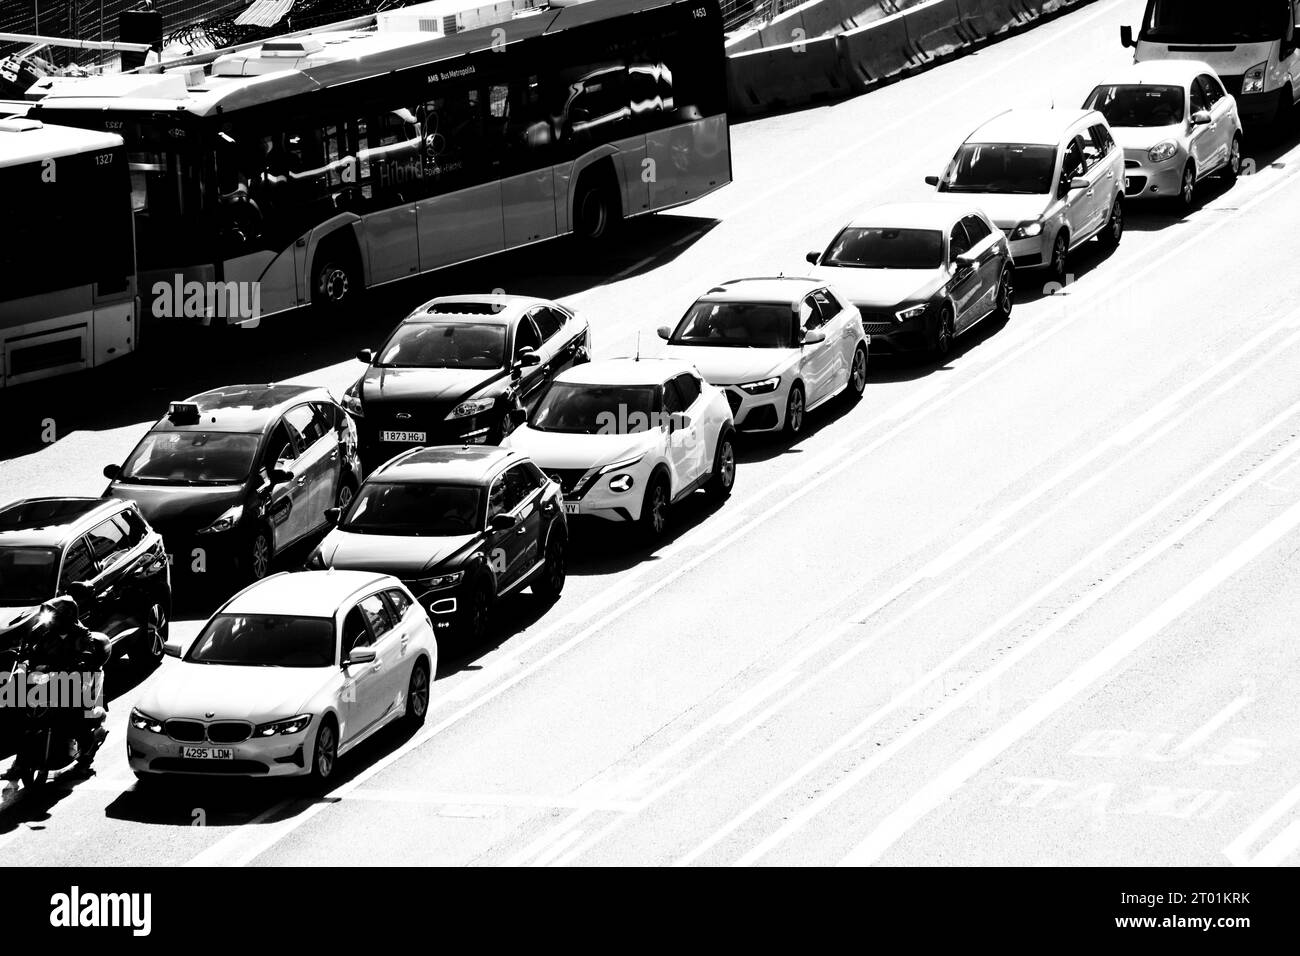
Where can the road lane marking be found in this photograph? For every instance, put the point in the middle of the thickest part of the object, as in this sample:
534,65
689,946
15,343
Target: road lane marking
1206,730
893,827
902,699
509,800
1277,849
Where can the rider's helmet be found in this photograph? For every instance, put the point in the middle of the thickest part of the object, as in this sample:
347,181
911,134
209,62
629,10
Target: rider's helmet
60,612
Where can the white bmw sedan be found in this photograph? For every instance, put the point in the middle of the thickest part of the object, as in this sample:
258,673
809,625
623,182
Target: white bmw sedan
286,677
778,347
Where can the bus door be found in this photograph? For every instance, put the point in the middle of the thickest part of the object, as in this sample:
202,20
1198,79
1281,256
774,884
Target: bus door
521,137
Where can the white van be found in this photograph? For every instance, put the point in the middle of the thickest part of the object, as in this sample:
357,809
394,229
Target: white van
1254,45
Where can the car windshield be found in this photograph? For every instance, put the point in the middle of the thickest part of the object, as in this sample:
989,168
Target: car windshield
1127,106
265,640
876,248
193,458
445,345
1214,21
1000,168
27,575
754,325
414,508
583,409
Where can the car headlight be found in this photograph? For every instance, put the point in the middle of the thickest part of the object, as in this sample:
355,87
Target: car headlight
1253,81
142,721
351,400
1027,230
622,463
439,581
621,482
473,406
763,387
1162,151
228,520
911,312
292,725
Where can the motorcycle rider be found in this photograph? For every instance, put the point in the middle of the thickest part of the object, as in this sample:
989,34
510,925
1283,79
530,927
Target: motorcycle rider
65,645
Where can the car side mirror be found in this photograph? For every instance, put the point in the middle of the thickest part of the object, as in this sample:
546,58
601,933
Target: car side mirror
1201,118
332,515
171,650
502,522
1078,182
366,355
813,256
932,180
517,416
360,655
1126,35
112,472
812,337
527,357
964,261
664,332
279,475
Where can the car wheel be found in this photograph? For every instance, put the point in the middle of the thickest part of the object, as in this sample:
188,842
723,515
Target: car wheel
478,612
944,334
857,374
1060,258
1006,299
795,409
347,491
723,478
325,753
1186,198
1232,168
257,555
654,507
550,582
417,695
1114,231
148,651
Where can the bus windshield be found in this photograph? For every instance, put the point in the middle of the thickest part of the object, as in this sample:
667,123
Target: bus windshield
1213,21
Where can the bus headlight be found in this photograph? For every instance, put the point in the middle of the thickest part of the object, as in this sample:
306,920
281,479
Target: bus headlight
1253,81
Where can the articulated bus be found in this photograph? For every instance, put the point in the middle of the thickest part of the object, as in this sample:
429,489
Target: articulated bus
317,165
67,260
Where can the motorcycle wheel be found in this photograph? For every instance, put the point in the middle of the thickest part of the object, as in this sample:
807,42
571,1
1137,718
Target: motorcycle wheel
35,762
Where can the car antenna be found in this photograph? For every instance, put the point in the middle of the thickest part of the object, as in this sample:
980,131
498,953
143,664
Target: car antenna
638,346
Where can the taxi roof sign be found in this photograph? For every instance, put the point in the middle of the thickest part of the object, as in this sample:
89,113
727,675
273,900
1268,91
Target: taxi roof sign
183,413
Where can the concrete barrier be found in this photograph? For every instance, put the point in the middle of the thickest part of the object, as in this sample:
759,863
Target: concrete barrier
986,18
876,52
793,74
935,29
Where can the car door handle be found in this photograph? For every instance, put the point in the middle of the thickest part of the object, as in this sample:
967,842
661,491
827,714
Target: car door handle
376,667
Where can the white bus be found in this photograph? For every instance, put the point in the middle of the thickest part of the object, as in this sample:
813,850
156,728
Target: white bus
316,166
67,260
1254,46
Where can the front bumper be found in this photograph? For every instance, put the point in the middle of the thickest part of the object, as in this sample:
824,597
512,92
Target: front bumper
587,494
1144,179
278,756
374,450
758,413
891,337
1256,108
1029,253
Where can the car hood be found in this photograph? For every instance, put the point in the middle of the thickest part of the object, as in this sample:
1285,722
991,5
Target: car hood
882,288
400,556
185,689
1007,210
194,506
1144,137
563,450
425,384
732,366
10,617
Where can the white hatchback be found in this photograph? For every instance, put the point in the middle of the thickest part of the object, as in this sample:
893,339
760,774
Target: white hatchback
627,438
779,347
286,677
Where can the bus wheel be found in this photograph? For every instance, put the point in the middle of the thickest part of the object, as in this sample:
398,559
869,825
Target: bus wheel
597,208
336,283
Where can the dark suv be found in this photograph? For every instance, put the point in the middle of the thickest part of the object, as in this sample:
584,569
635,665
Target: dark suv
461,526
103,553
234,476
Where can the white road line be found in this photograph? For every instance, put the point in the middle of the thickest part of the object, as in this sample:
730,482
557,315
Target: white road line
1237,851
910,693
1203,733
1084,677
483,800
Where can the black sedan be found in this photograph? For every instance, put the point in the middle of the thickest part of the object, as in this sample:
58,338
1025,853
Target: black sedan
454,368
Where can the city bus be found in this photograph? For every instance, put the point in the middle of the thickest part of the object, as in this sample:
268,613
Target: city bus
314,166
1254,46
67,261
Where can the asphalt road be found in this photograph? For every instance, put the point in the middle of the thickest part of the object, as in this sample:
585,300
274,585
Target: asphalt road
1035,606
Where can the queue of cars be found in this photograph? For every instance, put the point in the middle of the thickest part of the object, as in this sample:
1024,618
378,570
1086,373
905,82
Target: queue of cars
445,477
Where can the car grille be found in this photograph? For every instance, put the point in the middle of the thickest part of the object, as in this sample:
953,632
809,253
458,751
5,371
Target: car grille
734,400
1132,164
878,328
1135,184
570,480
186,731
229,731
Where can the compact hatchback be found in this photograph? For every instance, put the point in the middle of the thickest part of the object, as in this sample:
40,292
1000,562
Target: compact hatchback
1050,179
777,347
103,553
1176,124
453,369
234,476
461,526
286,677
920,274
626,438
